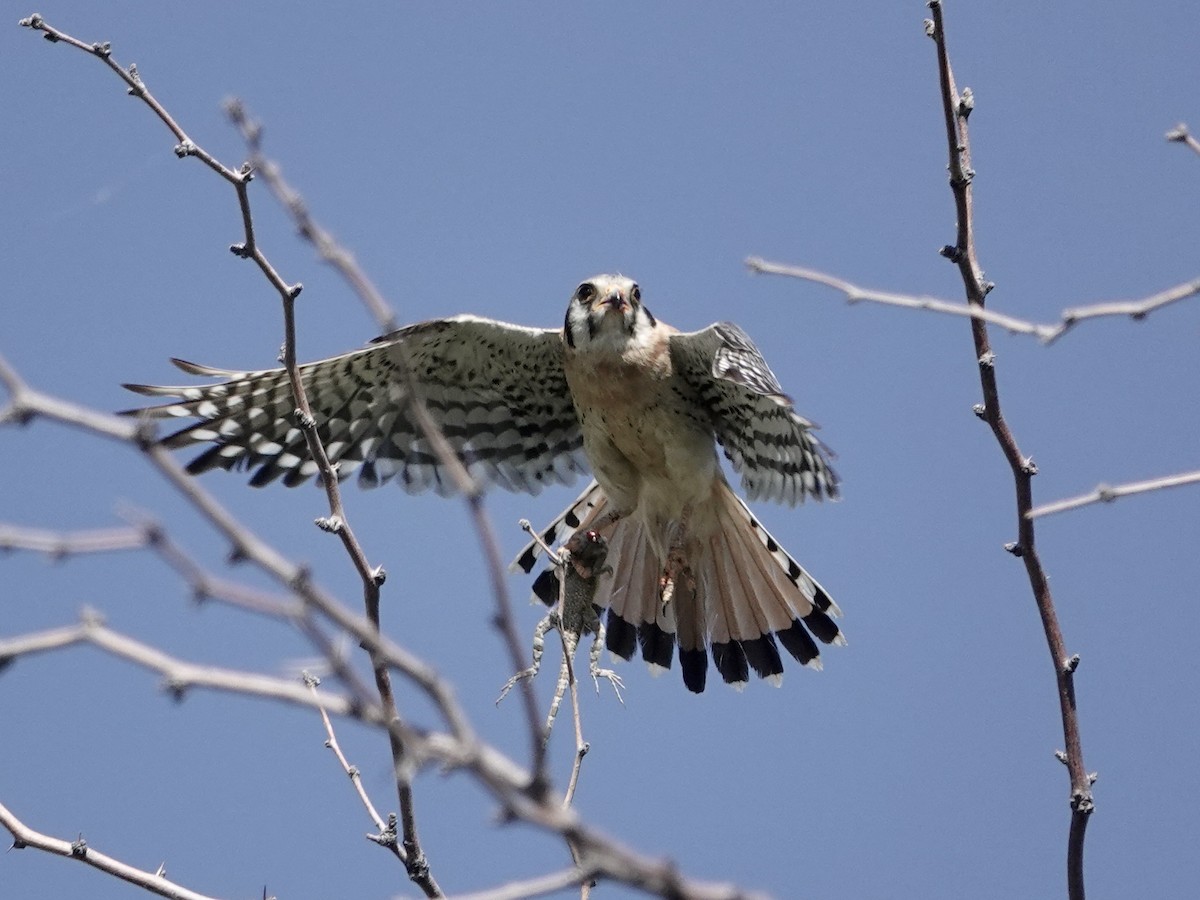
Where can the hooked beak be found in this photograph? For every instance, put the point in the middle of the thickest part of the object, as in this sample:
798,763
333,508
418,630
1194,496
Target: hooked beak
614,301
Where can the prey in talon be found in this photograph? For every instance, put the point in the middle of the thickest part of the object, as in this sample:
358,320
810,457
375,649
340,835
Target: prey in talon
569,588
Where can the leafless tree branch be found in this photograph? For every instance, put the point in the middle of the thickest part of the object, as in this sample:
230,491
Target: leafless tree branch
1106,493
1182,135
60,544
155,882
956,108
532,887
178,676
1046,333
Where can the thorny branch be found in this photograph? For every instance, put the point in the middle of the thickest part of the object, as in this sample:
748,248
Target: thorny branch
956,108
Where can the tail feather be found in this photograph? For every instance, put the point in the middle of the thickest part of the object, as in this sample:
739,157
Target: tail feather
749,595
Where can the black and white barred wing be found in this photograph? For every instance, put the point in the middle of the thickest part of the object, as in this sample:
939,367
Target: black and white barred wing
769,444
496,390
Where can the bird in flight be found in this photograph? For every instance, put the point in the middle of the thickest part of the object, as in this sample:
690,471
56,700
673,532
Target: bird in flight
616,392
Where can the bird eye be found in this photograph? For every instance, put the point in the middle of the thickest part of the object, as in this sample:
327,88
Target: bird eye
636,294
585,291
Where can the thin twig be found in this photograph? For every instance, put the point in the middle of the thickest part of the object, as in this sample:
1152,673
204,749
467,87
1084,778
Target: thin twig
60,544
1106,493
326,244
79,849
956,108
532,887
1180,134
179,676
385,832
1046,333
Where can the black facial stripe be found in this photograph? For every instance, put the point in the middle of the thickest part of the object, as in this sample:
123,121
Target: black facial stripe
568,331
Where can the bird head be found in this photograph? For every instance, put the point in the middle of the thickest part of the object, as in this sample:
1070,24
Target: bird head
606,309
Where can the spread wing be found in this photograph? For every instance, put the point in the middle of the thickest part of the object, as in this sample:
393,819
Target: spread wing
770,445
496,390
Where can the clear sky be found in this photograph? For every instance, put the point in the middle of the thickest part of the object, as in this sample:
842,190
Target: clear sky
485,159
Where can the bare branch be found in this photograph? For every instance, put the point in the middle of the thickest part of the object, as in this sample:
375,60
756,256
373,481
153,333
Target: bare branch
1105,493
955,110
386,832
1180,134
1046,333
179,676
155,882
59,544
327,246
532,887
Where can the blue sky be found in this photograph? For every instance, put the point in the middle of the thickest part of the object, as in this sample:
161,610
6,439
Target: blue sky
485,159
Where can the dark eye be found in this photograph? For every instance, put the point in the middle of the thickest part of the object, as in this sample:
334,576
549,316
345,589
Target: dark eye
636,294
585,291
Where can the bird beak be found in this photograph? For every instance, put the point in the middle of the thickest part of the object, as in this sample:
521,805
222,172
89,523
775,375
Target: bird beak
614,301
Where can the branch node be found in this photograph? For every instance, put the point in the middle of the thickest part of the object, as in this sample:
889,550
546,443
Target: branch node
378,576
1061,756
330,524
966,103
987,360
176,687
301,579
952,253
303,419
1014,548
145,434
1105,493
1071,664
79,847
1082,802
138,89
930,28
1093,777
102,49
1178,134
980,410
185,148
240,250
987,287
34,21
1028,466
294,290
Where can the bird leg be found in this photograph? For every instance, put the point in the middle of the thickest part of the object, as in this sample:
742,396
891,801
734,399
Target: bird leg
676,566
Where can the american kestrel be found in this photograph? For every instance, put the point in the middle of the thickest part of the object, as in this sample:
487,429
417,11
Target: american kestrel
615,390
